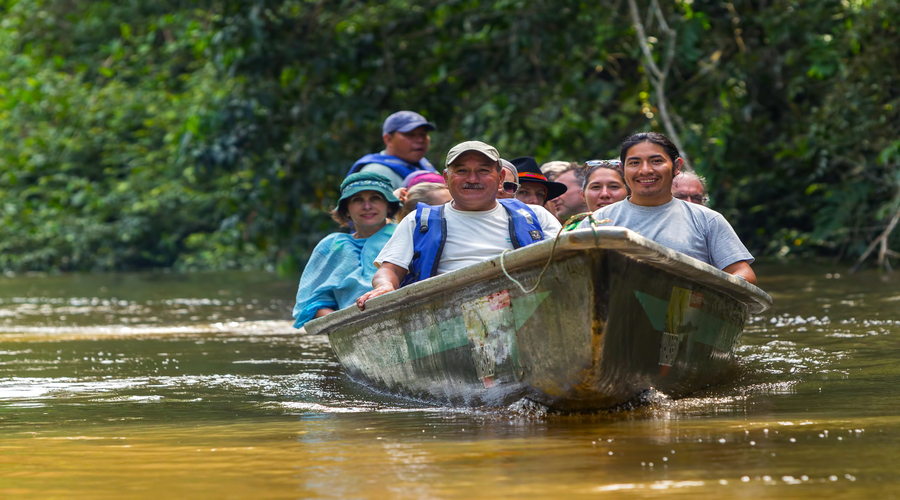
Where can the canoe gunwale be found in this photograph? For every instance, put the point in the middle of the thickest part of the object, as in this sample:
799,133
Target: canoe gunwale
618,239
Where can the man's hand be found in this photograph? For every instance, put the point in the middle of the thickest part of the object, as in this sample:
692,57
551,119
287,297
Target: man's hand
381,290
386,280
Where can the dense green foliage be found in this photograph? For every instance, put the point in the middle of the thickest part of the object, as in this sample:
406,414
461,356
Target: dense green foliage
214,134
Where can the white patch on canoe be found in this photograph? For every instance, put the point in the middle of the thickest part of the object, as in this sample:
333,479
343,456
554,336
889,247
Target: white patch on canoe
490,326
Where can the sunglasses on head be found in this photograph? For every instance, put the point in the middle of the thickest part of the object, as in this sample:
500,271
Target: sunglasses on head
594,163
510,187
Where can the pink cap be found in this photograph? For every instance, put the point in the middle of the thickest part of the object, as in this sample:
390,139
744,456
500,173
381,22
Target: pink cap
426,177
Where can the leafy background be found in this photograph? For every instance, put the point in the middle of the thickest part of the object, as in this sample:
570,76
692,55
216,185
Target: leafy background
214,134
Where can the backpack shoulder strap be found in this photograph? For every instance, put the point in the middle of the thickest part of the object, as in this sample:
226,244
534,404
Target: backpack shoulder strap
524,226
429,236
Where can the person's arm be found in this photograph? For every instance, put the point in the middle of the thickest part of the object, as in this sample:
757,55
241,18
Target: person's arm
386,280
323,312
742,268
315,292
549,223
725,246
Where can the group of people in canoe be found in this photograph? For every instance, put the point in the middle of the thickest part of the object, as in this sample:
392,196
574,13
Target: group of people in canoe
408,222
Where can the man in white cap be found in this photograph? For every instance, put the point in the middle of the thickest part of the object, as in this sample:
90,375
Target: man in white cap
473,227
406,141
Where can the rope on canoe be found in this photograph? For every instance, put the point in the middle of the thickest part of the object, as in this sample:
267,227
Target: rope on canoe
570,225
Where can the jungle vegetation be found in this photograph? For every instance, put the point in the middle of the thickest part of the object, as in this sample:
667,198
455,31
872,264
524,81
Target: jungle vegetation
214,134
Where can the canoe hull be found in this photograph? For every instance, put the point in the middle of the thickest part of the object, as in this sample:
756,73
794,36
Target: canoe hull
601,327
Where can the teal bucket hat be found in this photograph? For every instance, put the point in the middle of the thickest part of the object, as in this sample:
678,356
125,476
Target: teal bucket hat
367,181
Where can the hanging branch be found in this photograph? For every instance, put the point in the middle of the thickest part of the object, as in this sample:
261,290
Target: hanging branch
881,241
657,76
660,18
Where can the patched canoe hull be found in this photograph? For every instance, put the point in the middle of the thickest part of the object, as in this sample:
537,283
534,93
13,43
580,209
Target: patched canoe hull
604,324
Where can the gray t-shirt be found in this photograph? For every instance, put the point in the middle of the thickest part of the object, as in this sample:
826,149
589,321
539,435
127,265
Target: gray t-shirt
684,227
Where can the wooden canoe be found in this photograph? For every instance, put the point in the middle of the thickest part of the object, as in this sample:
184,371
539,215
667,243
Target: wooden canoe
614,314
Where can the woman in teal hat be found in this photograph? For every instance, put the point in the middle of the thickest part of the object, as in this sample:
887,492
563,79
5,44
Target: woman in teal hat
341,266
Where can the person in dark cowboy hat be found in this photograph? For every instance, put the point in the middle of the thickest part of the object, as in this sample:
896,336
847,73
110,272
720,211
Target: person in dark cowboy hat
406,141
534,188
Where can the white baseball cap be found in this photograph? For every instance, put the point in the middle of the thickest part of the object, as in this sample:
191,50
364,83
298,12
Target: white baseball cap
485,149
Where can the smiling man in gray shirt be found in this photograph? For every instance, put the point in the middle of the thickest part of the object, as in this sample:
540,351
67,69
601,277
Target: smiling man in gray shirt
650,162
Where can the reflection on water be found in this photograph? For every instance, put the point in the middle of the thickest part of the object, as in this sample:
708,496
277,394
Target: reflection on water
196,385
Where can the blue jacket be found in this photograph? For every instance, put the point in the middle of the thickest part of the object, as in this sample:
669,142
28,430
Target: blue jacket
339,270
399,166
430,234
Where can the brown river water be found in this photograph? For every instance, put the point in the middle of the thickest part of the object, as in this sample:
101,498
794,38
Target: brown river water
150,385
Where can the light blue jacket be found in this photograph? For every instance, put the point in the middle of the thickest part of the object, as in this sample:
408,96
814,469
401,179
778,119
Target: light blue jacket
339,271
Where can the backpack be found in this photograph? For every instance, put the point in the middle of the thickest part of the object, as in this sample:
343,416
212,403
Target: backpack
430,234
399,166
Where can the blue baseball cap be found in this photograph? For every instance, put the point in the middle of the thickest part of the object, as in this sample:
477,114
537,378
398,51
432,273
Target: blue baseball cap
405,121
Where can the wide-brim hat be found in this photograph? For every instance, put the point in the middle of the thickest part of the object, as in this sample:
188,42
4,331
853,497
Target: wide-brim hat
367,181
405,121
459,149
529,171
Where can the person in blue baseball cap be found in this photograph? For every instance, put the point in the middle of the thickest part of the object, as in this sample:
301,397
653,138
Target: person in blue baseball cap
406,141
341,266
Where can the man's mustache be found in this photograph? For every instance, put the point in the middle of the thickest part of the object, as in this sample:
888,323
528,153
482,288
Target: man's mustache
470,185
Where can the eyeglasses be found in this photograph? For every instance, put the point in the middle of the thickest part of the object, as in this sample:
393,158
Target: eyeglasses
697,198
510,187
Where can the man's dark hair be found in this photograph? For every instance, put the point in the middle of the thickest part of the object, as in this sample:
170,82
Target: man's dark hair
573,167
654,137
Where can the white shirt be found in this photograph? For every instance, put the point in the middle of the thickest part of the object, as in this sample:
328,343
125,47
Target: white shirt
472,237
